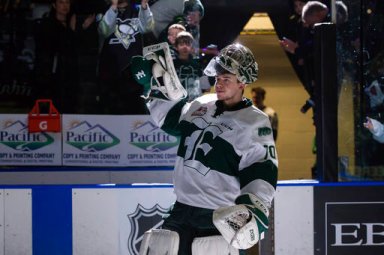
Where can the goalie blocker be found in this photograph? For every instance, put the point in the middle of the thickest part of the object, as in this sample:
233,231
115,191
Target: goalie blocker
241,225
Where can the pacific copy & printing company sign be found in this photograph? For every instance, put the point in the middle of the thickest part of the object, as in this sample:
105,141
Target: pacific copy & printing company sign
19,147
148,145
93,140
102,140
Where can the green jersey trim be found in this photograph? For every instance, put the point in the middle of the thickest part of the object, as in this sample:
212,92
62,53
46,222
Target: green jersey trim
171,121
266,171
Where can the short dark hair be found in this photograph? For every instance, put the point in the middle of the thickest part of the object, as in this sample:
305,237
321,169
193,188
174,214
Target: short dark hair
259,91
185,37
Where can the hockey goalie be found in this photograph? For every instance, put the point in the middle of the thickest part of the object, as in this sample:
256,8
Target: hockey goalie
226,168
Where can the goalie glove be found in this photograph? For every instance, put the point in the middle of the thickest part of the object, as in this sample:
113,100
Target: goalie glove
164,80
242,224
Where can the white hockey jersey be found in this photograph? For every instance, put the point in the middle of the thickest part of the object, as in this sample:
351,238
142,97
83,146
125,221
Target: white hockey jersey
221,154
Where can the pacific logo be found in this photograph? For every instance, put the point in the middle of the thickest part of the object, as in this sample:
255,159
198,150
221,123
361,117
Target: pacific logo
90,138
149,137
16,136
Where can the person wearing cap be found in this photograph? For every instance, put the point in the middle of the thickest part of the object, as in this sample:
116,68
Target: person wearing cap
226,168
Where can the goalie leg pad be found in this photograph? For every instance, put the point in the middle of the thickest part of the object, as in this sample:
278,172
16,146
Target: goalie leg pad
159,242
212,245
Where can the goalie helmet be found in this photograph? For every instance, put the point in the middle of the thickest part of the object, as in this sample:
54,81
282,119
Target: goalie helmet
236,59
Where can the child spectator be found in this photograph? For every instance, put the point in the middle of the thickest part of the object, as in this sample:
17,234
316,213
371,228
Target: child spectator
173,31
187,67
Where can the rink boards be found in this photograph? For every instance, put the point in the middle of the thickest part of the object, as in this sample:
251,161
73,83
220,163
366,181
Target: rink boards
308,218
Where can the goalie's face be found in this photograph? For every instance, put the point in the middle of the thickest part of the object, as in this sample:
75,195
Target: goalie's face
229,89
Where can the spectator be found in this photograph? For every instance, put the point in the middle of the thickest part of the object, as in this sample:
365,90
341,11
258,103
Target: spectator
56,63
295,33
122,28
173,31
313,12
165,13
193,13
86,16
258,97
190,16
188,68
376,128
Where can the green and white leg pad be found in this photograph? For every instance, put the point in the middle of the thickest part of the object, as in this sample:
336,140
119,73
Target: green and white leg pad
212,245
159,242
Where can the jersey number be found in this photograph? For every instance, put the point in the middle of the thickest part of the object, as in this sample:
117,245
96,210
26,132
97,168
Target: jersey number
270,151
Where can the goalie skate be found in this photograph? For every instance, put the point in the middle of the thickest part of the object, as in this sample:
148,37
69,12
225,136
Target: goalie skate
164,77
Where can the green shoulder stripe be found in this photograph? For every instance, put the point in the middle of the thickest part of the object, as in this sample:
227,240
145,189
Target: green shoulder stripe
266,171
171,121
